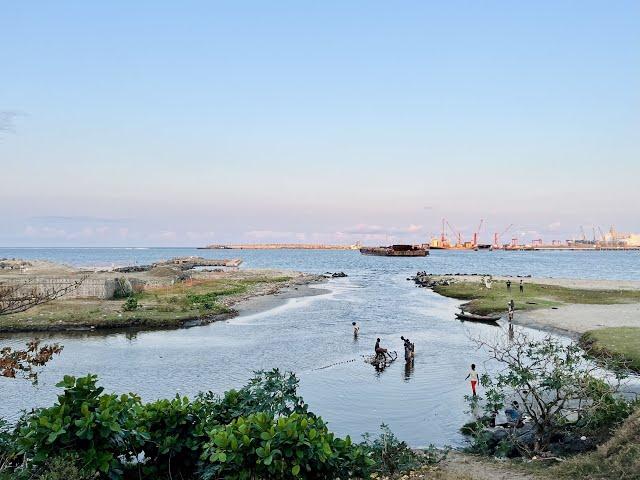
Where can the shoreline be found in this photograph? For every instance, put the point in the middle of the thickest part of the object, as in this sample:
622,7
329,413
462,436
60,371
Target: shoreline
566,318
262,297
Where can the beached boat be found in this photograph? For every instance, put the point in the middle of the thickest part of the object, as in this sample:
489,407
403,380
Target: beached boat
472,317
397,251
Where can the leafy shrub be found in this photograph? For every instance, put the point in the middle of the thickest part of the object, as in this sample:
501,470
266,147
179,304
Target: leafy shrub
66,467
390,455
294,446
176,432
101,429
263,430
130,304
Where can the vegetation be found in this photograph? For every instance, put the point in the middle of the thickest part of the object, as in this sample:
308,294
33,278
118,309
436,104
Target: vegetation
163,307
621,342
19,297
618,458
390,455
560,391
486,301
25,362
263,430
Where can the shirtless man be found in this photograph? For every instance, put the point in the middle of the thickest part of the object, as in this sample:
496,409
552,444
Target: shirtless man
380,352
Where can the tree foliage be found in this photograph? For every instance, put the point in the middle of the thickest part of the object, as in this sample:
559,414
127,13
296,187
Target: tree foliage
18,297
559,388
25,362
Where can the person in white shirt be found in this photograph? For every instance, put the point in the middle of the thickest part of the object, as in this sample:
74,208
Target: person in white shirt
356,329
473,376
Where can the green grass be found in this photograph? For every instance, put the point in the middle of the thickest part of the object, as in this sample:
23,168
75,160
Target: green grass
161,307
485,301
618,458
619,341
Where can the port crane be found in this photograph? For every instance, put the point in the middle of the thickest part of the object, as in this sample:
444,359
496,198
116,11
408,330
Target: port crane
496,236
477,233
453,230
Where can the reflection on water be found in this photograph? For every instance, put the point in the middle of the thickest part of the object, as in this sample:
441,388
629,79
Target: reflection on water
408,369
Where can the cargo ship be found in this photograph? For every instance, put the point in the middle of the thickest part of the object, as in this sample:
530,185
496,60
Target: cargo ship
397,251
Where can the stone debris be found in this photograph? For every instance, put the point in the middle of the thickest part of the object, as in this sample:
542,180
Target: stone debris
424,279
334,275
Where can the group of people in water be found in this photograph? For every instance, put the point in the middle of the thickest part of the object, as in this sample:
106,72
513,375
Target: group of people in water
382,354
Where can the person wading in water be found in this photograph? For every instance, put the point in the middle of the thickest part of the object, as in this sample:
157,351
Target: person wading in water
381,352
473,376
409,349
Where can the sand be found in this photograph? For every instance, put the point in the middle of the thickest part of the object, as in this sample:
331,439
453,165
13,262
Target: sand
575,319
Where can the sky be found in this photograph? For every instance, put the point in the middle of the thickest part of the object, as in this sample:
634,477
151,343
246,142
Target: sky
156,123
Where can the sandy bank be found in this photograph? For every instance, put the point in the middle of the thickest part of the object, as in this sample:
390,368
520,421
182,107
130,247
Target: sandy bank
588,284
578,319
566,317
264,303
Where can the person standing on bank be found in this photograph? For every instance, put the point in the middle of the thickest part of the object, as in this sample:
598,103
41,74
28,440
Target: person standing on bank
509,285
521,287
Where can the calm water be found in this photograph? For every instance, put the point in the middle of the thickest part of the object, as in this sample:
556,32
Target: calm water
422,405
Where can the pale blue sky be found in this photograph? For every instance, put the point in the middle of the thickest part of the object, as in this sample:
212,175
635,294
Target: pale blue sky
184,123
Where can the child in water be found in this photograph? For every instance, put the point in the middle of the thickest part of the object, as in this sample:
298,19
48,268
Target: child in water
356,328
473,375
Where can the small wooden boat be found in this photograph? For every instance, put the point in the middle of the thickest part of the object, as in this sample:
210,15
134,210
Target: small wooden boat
472,317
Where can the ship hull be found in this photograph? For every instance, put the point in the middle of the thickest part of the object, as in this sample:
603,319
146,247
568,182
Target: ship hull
390,252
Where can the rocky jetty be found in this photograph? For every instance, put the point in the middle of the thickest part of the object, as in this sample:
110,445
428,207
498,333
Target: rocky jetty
424,279
182,263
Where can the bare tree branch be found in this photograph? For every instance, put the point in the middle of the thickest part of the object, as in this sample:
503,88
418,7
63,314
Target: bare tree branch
20,296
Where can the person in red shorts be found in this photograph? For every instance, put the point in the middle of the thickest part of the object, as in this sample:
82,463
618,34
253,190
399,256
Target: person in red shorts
473,375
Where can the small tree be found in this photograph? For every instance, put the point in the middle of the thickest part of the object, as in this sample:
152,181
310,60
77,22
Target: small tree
558,387
24,363
19,297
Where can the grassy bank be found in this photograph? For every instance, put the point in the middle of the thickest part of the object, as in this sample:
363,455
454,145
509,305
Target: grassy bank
620,341
618,458
195,301
485,301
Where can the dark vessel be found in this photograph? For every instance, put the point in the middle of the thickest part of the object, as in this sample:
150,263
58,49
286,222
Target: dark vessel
397,251
472,317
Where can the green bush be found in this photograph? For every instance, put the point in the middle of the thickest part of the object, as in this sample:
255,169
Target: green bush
176,430
130,304
101,429
389,455
294,446
66,467
263,430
